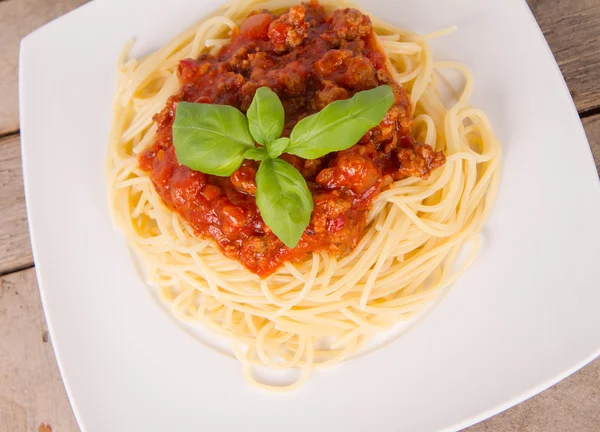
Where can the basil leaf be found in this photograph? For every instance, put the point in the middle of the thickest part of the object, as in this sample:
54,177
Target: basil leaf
340,124
210,138
275,148
283,198
266,116
256,154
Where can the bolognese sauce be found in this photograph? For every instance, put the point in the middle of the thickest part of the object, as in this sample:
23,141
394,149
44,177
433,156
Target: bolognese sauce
310,59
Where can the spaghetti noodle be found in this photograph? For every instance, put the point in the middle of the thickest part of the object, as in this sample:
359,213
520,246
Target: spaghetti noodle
324,309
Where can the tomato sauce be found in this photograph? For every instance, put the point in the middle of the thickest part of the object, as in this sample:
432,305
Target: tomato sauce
310,59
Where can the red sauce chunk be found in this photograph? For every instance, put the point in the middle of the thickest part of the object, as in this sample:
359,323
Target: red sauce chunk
310,59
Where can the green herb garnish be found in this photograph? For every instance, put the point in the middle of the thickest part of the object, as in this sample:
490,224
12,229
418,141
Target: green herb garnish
284,201
211,138
215,139
340,124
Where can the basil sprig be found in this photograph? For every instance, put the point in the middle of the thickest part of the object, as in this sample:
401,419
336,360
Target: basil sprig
211,138
284,201
215,139
266,116
340,124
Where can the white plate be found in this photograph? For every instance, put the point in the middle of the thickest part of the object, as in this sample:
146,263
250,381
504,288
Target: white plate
524,316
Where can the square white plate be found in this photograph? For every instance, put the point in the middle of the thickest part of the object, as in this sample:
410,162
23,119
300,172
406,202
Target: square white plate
524,316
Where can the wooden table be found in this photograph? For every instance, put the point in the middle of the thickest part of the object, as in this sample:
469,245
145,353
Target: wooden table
32,396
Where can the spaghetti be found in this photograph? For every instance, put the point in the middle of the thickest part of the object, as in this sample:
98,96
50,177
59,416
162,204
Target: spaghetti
324,309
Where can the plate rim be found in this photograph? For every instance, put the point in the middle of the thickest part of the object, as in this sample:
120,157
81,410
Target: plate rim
28,45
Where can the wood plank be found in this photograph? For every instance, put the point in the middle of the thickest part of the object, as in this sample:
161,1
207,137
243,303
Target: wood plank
592,129
572,28
571,405
15,248
17,19
32,393
31,390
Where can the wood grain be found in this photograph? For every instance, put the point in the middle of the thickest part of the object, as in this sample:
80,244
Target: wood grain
571,28
15,248
572,405
31,390
569,25
17,19
592,129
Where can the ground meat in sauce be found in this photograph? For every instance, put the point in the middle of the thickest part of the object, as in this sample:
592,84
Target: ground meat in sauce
309,59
